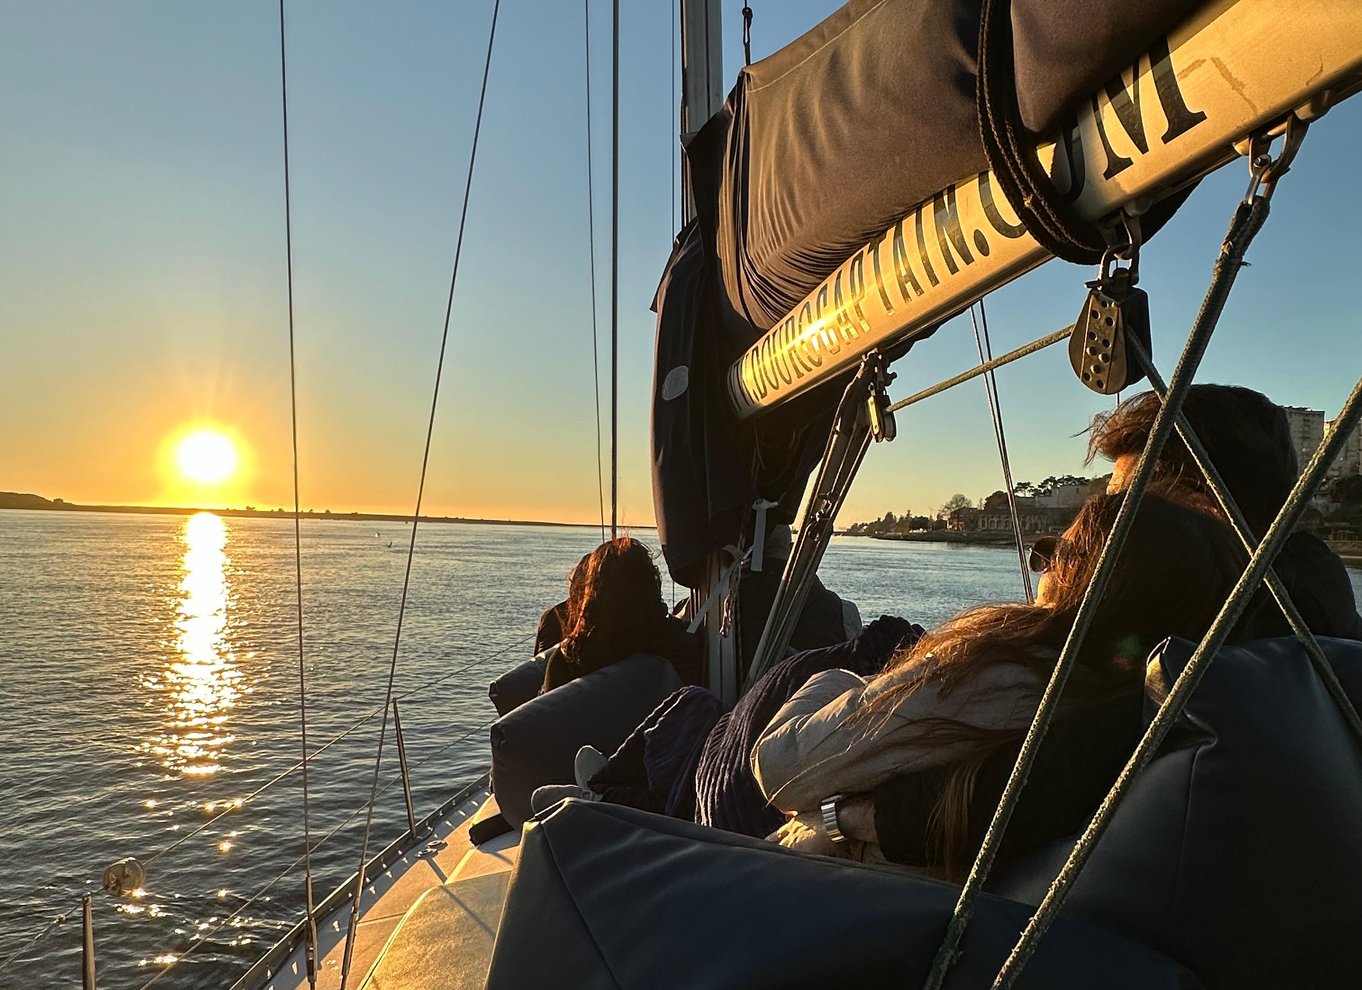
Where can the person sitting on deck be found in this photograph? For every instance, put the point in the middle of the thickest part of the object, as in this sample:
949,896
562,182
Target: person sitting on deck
615,609
1248,438
912,761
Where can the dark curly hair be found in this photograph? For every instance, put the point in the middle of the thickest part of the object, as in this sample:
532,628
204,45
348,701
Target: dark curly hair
1246,434
615,605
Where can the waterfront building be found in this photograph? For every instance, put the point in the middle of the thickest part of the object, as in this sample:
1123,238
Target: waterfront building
1307,431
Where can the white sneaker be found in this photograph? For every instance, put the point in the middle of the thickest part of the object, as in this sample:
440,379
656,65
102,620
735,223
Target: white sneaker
587,764
547,796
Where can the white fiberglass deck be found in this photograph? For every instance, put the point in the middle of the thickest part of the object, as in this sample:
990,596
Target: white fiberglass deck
443,857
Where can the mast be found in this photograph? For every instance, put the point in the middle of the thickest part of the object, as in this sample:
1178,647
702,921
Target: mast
702,95
702,77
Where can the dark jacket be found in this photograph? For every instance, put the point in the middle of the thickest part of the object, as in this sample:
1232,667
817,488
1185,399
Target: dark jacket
1318,584
1077,763
683,649
549,631
727,794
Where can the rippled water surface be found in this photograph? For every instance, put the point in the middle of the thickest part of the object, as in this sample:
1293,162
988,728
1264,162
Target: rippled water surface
150,669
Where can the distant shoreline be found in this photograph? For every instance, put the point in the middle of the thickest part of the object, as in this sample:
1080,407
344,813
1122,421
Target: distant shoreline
35,503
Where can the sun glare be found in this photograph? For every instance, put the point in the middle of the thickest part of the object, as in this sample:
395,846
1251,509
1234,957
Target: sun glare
207,457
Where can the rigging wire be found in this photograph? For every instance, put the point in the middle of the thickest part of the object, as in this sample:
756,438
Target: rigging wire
591,254
615,275
238,804
985,345
747,34
420,492
311,949
198,942
1248,219
51,927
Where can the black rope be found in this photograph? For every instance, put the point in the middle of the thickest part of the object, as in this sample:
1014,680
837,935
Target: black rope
747,35
310,950
420,493
591,254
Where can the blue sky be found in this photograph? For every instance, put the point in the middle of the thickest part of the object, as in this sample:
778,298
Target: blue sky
142,267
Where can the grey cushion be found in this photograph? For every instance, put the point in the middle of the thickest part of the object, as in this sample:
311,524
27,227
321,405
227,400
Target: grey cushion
1238,851
518,685
605,896
536,743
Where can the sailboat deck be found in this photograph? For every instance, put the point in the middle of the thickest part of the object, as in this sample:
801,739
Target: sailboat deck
443,857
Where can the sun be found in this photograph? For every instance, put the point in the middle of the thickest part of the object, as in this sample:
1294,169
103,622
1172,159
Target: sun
206,457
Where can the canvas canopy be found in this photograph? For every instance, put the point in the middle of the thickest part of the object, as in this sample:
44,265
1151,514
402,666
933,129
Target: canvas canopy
819,148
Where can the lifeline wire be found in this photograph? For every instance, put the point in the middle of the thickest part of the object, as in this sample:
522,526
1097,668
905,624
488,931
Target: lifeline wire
292,866
287,870
995,410
1248,219
51,927
311,950
236,806
591,254
420,492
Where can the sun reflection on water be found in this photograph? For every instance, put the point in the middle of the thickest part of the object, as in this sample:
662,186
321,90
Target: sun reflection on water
201,681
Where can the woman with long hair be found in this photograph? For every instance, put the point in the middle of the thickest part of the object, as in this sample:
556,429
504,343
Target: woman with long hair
941,725
614,610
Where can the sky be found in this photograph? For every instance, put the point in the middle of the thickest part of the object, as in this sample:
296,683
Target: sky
142,267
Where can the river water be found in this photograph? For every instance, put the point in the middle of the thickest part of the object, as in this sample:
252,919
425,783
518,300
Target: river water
150,667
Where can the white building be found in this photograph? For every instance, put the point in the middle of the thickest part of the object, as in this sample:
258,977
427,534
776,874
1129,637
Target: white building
1064,497
1349,460
1307,431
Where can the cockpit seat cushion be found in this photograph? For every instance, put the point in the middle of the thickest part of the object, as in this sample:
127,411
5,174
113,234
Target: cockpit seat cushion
1238,850
605,896
536,743
518,685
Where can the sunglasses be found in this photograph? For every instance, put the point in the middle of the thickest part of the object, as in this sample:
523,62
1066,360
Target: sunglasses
1043,552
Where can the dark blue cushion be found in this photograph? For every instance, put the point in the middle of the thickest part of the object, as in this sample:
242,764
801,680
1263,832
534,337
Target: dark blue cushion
518,685
605,896
536,743
1238,851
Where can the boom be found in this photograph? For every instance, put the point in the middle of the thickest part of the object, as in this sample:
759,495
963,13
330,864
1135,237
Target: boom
1231,69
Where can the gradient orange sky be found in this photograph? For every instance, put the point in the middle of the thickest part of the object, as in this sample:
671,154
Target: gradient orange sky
142,269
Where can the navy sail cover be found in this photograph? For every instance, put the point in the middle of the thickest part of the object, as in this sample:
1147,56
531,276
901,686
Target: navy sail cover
818,149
